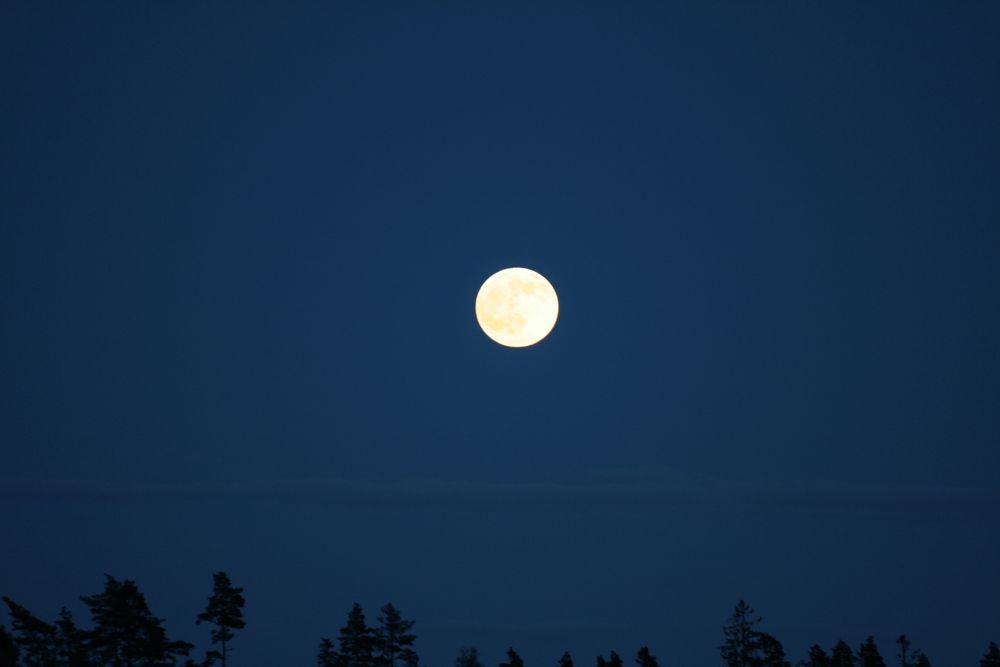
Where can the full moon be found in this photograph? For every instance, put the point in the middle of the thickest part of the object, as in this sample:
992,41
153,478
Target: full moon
517,307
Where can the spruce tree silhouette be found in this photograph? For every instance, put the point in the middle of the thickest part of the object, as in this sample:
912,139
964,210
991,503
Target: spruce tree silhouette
468,656
513,659
357,640
35,639
646,659
868,655
9,653
842,655
126,634
817,657
992,656
327,656
772,653
741,644
225,612
922,659
566,660
393,640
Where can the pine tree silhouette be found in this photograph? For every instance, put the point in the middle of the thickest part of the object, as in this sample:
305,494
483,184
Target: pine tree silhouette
225,612
357,640
771,652
393,640
33,637
908,657
992,656
842,655
468,656
817,657
868,655
327,656
126,634
513,659
904,656
741,638
646,659
613,660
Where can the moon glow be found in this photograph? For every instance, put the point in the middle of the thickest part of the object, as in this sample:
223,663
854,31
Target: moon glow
517,307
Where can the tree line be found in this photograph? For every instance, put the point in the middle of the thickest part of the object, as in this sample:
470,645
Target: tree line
125,633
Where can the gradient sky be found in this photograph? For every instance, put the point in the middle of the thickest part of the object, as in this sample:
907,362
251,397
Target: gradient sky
239,250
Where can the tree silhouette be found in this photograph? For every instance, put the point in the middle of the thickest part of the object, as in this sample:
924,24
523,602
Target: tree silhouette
745,646
71,642
614,660
771,652
991,657
126,634
817,657
646,659
468,656
842,655
357,640
741,639
513,659
328,656
904,656
35,639
393,639
868,655
225,612
908,657
8,649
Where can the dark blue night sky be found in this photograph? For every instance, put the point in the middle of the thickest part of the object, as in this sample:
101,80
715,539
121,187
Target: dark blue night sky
239,250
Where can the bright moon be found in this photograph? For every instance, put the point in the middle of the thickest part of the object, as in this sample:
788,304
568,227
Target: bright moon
517,307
